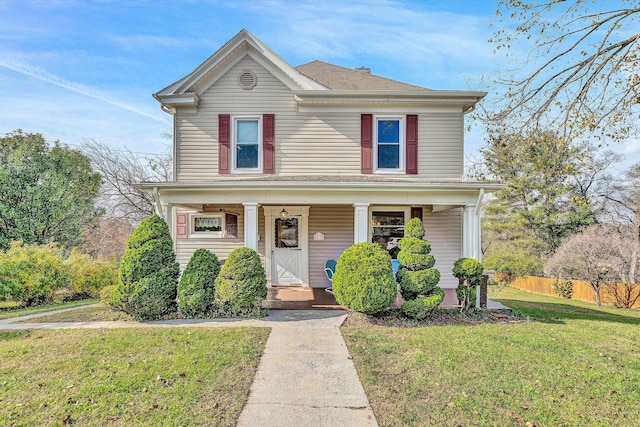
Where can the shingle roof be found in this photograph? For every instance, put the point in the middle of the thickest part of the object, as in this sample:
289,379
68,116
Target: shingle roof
340,78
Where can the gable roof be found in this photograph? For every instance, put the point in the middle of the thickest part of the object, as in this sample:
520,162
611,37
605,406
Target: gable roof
341,78
184,91
314,84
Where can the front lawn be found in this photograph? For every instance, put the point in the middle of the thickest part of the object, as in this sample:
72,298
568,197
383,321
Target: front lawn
93,313
11,309
127,377
572,365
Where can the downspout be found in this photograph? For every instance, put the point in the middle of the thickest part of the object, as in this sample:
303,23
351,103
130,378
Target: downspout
156,198
479,235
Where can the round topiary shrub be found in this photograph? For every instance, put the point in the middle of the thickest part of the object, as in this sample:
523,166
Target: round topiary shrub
147,283
242,283
196,289
417,279
469,270
363,280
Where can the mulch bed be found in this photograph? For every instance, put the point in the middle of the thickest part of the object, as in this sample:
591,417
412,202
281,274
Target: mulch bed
440,317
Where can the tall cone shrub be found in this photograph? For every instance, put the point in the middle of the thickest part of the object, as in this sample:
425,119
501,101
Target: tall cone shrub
242,283
196,289
147,283
417,279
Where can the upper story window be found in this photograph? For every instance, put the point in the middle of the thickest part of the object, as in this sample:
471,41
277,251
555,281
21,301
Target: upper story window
389,144
247,145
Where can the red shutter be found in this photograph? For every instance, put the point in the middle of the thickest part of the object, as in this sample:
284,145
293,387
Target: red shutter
231,225
224,148
268,143
366,143
412,144
182,226
416,212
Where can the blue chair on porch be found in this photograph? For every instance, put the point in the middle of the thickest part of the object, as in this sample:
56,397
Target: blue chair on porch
329,270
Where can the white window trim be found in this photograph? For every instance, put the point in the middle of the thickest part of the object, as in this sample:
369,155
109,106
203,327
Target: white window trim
234,160
388,208
402,160
204,234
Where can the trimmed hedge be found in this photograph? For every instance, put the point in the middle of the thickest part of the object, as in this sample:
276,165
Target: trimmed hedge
147,284
469,270
417,279
196,290
363,280
242,283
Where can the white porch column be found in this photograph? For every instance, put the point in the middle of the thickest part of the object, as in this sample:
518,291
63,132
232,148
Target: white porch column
468,232
360,222
251,225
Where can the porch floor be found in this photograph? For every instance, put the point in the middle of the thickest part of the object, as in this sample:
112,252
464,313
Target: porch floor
298,298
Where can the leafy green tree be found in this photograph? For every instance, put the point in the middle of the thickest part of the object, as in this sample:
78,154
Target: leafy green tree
46,193
148,279
542,202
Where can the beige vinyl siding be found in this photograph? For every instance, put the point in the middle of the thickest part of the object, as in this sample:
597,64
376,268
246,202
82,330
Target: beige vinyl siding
336,223
443,231
440,145
305,143
326,143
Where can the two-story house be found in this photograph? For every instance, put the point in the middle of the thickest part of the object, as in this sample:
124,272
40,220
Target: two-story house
301,162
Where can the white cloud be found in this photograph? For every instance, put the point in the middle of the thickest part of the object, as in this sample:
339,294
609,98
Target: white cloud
43,75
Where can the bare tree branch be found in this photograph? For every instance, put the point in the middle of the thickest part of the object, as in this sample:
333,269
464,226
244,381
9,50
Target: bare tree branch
588,80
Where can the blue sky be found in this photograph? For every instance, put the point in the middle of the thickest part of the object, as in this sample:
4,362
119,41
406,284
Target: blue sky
76,70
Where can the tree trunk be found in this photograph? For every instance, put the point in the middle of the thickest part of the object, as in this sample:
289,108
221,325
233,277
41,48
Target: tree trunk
598,303
634,251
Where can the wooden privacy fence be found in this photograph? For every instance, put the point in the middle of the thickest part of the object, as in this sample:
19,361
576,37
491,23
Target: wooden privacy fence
581,290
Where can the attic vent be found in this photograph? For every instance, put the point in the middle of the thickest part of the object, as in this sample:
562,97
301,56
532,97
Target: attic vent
364,70
247,80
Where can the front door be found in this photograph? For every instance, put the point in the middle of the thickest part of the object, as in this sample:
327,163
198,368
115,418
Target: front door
287,252
288,241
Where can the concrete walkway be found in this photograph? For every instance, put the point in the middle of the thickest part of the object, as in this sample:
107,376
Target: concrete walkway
305,377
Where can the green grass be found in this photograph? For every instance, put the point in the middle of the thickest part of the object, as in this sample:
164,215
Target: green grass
127,377
94,313
10,309
555,309
576,365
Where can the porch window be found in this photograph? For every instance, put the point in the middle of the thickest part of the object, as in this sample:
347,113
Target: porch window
207,225
389,144
387,228
246,144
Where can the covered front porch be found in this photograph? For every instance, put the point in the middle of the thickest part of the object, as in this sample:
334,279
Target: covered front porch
296,224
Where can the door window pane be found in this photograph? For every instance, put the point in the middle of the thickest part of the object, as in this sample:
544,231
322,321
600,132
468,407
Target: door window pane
287,233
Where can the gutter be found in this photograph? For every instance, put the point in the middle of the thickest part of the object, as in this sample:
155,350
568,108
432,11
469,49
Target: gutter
156,198
479,202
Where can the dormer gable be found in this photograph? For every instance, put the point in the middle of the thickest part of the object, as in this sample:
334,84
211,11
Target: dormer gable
186,92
